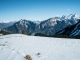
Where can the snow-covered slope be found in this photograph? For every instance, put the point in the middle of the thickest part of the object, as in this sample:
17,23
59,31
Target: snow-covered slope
16,47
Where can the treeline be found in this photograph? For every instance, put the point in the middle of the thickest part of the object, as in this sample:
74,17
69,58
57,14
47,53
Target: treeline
44,35
66,36
58,36
4,32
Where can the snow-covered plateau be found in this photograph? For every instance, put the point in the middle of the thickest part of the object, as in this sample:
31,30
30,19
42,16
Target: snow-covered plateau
17,46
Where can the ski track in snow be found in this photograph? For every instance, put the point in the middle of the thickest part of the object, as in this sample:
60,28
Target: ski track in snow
17,46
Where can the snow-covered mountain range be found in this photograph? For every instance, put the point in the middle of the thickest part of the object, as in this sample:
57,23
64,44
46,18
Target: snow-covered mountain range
5,24
49,26
17,27
53,25
72,30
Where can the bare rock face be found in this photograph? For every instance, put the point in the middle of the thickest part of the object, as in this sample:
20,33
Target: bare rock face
28,57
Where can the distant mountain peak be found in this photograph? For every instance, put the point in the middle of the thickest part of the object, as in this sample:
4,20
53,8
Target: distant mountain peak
6,21
71,16
76,16
54,18
64,17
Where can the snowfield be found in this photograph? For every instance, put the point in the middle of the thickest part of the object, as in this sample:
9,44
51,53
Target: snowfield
17,46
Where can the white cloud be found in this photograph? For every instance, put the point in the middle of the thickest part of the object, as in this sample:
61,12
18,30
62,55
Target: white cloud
68,9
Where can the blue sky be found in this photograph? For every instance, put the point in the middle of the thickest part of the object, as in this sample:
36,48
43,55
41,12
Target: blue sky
37,9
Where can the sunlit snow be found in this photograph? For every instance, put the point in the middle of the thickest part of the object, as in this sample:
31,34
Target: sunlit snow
17,46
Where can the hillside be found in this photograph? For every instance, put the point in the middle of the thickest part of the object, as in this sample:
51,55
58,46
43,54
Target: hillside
72,30
6,24
17,46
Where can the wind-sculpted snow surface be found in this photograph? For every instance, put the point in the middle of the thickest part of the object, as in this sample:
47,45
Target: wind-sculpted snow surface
17,46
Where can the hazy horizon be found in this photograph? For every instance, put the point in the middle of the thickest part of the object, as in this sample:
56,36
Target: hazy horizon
13,10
